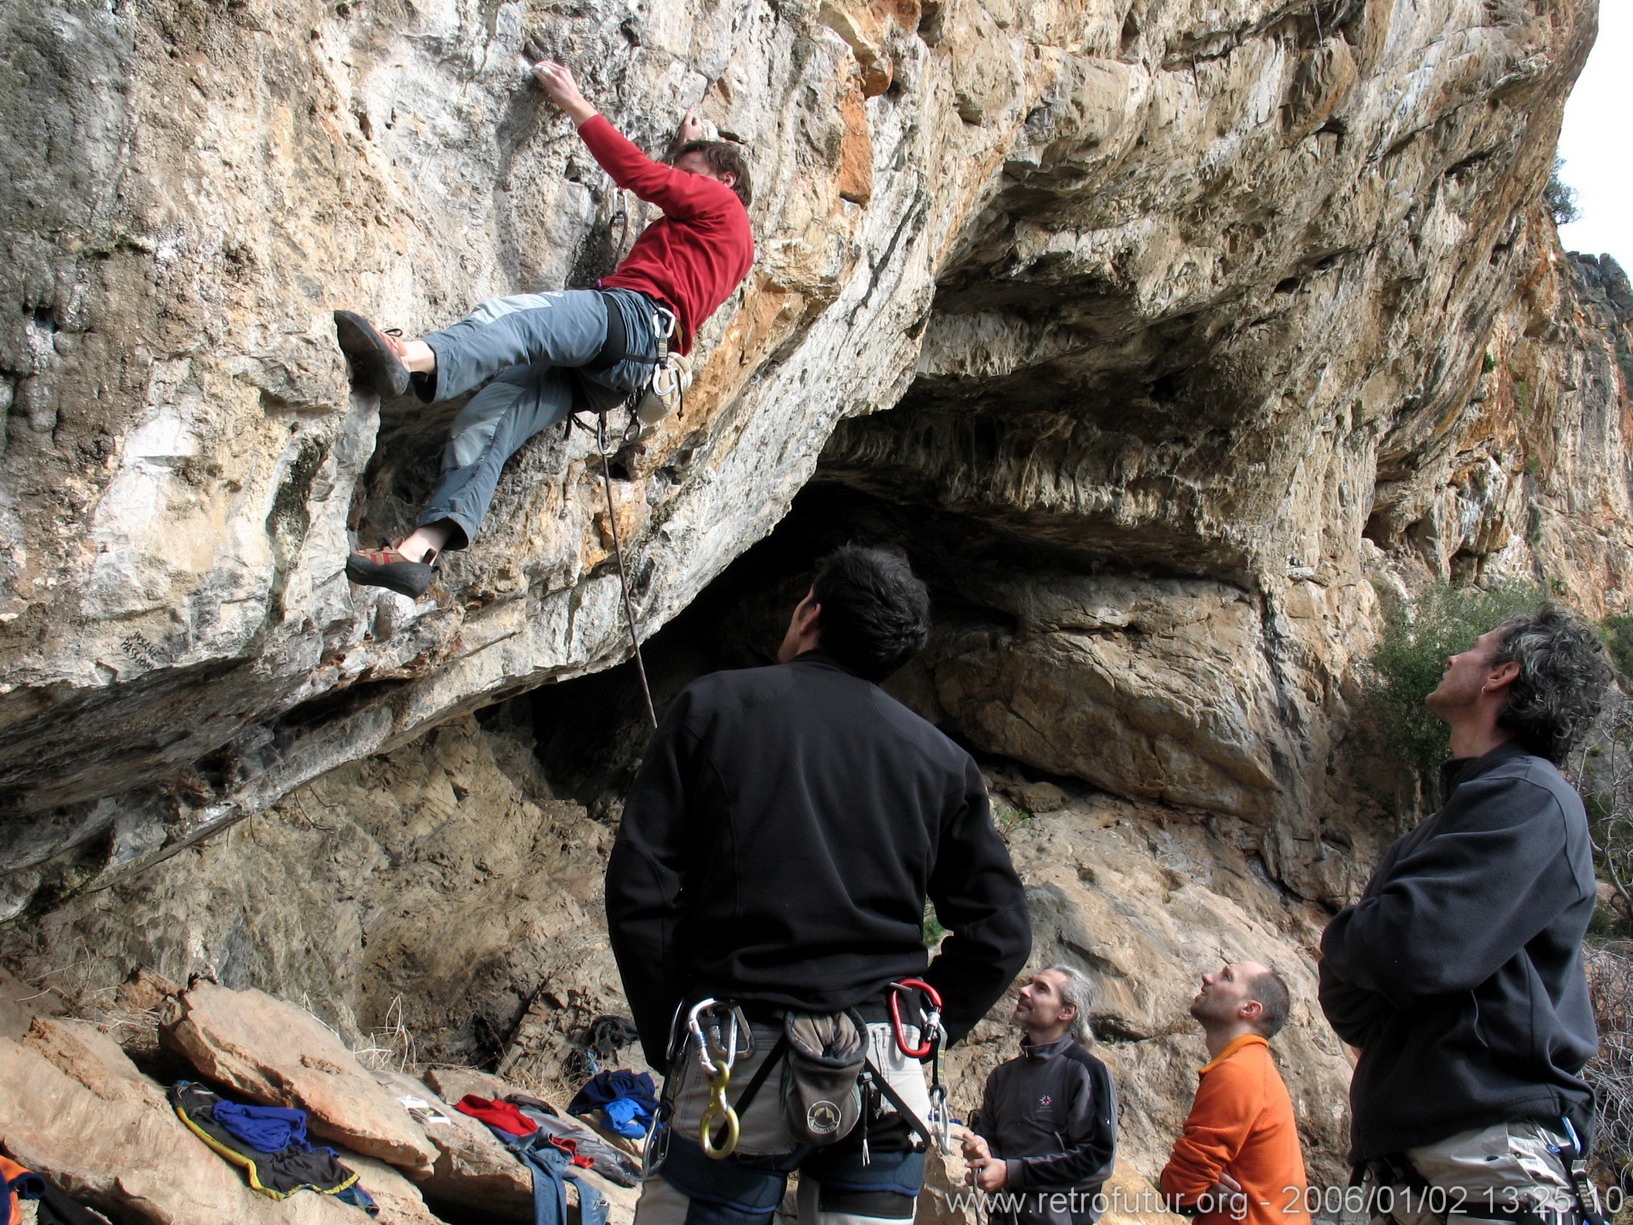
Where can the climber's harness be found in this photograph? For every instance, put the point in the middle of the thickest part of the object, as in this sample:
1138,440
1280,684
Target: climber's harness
616,347
828,1086
1392,1178
663,392
1575,1161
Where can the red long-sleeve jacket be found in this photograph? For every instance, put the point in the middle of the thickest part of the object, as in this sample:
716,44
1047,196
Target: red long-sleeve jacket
692,257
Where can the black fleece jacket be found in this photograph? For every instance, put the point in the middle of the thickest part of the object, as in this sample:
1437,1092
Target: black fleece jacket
1051,1114
782,835
1459,973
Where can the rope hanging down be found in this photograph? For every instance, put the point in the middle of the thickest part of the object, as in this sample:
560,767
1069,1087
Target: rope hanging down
618,554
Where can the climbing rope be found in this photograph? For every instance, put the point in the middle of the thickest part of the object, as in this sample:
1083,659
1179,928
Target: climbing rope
604,446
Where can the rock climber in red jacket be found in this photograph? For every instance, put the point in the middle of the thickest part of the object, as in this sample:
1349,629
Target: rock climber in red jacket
553,351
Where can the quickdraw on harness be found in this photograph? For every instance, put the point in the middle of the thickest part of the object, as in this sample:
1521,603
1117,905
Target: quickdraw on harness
937,1127
719,1033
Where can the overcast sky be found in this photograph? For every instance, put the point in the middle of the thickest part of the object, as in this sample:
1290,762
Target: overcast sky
1597,142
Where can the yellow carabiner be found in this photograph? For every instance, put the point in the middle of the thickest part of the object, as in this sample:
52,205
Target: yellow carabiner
718,1108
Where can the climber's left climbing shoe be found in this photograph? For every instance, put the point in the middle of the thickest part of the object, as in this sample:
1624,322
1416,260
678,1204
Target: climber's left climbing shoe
375,364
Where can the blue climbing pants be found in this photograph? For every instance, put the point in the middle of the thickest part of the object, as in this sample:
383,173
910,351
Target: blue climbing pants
536,344
848,1183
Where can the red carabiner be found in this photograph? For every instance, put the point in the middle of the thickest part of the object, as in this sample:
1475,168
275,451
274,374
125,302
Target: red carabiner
932,1016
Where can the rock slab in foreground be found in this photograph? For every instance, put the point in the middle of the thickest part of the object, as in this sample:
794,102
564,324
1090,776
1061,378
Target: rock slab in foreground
73,1107
278,1054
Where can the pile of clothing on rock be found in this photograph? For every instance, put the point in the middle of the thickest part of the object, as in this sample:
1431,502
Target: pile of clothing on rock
237,1097
270,1143
556,1150
624,1099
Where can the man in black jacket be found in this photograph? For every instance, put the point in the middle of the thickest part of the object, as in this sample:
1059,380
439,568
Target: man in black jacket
1045,1139
776,852
1458,975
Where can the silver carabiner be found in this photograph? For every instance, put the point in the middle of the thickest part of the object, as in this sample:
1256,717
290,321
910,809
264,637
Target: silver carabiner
715,1052
694,1027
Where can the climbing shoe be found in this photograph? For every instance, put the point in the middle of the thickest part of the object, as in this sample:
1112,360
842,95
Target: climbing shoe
385,567
375,365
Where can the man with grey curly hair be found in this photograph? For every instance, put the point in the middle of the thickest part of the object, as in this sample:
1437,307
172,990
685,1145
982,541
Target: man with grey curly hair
1045,1139
1458,975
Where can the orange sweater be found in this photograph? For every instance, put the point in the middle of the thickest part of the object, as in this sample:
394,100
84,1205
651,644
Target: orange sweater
1241,1124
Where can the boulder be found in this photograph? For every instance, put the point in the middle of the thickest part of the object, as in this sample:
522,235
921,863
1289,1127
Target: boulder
74,1108
281,1055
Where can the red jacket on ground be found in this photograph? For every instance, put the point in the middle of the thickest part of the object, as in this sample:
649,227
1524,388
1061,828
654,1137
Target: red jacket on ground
692,257
1241,1124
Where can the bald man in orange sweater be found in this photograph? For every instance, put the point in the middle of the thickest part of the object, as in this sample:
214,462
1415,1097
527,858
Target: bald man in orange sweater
1239,1158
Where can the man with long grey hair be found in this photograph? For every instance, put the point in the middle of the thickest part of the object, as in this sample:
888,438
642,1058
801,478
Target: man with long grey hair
1045,1139
1459,974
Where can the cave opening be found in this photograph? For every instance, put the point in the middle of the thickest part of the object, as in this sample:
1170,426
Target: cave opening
591,732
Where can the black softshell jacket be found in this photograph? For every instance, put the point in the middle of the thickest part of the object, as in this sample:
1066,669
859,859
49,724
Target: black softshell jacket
779,843
1459,973
1052,1115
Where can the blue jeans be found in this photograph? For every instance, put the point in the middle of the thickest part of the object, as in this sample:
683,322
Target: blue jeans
535,344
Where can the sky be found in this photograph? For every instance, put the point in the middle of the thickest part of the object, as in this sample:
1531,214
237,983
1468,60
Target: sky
1596,144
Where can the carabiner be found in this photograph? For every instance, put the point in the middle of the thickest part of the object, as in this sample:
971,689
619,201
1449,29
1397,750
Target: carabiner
718,1108
694,1029
712,1051
716,1055
940,1121
931,1029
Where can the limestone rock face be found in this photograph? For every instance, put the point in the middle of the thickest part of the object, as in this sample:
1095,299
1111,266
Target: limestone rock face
436,904
1183,292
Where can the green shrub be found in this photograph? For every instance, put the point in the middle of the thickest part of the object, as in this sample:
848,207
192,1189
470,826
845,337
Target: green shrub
1007,817
1561,198
1618,634
1411,655
1607,923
